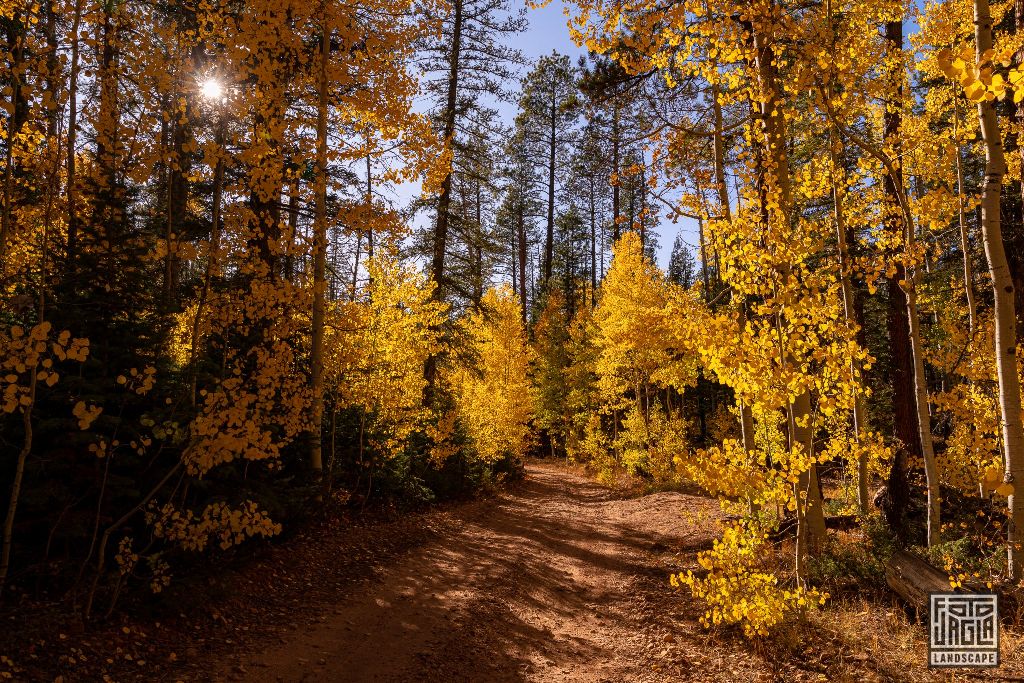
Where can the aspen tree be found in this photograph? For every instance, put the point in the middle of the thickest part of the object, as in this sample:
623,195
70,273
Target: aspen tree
1003,294
496,400
934,521
838,184
71,153
725,211
810,512
910,391
17,110
965,242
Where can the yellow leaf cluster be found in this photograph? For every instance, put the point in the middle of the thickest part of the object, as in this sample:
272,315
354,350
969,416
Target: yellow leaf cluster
980,81
218,522
494,396
739,590
377,345
28,358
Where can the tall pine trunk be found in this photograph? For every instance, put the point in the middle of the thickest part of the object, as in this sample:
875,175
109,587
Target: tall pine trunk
904,408
549,239
444,200
521,229
593,242
901,219
316,376
616,202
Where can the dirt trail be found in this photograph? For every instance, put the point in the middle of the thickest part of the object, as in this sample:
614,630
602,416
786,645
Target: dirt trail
557,580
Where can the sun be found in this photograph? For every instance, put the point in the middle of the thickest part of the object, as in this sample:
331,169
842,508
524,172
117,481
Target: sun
212,89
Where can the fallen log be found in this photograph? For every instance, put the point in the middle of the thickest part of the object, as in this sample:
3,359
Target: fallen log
913,579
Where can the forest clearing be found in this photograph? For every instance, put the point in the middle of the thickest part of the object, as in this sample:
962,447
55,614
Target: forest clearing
575,340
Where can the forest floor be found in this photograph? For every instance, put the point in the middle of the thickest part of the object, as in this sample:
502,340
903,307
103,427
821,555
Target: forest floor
557,579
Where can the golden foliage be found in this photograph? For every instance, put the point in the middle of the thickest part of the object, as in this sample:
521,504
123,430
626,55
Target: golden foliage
494,397
29,358
377,346
218,522
737,587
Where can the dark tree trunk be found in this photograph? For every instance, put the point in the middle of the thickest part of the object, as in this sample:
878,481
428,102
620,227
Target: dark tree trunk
478,252
904,410
593,245
444,201
1013,228
549,241
521,224
615,172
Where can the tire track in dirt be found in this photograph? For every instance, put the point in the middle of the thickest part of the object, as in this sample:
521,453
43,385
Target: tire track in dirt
553,581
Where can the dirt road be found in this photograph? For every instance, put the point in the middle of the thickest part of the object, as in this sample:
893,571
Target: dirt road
557,580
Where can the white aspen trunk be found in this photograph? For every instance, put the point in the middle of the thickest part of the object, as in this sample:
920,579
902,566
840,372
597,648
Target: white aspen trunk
71,183
725,212
810,512
965,243
845,267
931,469
1003,294
859,412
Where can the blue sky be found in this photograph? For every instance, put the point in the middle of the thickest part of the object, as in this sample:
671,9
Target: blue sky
548,31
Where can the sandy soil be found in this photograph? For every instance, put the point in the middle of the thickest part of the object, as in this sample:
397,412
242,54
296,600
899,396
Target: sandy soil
557,580
562,580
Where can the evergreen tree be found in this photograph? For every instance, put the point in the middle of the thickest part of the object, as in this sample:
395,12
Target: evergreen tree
548,112
682,267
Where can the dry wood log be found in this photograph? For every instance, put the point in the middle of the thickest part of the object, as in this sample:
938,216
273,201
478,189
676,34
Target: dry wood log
913,579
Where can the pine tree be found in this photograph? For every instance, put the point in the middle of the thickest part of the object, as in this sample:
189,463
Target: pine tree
547,119
682,267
